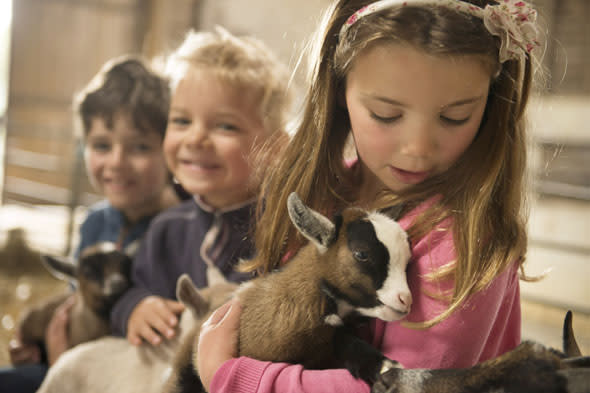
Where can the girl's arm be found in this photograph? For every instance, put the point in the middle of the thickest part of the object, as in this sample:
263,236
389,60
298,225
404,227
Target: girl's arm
485,327
220,371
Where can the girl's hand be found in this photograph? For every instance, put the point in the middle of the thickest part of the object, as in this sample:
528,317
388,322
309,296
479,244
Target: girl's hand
153,318
56,336
218,341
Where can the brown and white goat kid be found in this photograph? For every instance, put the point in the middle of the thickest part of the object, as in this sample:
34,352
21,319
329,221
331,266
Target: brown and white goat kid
353,267
113,365
529,368
102,275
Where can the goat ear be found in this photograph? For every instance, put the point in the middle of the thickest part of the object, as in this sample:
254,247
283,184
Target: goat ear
63,268
189,295
314,226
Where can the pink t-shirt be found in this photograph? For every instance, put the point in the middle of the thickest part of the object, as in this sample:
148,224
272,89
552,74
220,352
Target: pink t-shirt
487,325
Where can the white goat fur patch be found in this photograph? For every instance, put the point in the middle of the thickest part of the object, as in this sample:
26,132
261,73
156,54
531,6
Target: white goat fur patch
395,239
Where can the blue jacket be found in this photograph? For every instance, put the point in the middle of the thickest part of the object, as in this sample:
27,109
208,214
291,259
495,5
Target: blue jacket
105,223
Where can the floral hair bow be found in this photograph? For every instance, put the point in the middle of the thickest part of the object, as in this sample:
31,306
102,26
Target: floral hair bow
513,21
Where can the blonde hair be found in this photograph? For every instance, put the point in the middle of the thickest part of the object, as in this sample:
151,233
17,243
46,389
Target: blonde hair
483,191
244,62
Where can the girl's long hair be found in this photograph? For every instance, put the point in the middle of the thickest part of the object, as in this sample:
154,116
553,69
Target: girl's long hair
482,193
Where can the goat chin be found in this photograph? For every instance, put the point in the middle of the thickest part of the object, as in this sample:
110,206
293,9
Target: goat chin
385,313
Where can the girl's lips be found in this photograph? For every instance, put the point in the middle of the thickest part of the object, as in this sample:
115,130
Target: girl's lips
408,177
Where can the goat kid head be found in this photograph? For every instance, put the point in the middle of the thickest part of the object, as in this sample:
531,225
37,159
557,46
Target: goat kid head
102,273
202,301
366,254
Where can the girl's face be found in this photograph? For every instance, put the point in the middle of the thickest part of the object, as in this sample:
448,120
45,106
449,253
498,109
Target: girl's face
212,129
412,114
126,166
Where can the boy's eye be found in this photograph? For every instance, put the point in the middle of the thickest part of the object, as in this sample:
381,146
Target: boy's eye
140,148
455,122
385,119
100,146
180,121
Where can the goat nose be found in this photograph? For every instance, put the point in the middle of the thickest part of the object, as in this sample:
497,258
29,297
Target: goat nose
116,284
405,299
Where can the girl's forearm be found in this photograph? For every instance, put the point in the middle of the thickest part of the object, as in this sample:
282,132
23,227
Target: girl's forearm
250,375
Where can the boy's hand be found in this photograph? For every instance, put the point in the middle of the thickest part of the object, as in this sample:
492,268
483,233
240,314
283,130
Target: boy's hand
218,341
23,353
56,336
153,318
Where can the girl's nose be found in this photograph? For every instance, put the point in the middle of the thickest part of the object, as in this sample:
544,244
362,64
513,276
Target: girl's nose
419,141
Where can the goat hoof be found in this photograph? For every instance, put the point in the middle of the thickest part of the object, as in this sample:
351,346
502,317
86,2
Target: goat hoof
387,380
388,364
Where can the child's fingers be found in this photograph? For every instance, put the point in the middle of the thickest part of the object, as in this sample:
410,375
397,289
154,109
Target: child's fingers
56,336
218,315
144,331
218,340
21,353
162,324
166,311
133,337
149,335
174,306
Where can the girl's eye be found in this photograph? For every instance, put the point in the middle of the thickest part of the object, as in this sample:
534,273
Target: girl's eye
386,120
455,122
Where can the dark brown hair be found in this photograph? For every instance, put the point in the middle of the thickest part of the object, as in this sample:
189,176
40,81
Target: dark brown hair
125,85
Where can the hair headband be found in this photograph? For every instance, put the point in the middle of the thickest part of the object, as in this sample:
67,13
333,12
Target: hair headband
511,20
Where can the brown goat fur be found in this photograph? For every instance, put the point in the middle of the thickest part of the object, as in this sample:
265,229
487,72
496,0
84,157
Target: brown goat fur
295,314
203,302
112,364
102,275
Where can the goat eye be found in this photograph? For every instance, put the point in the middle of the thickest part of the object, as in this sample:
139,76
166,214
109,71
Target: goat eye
361,256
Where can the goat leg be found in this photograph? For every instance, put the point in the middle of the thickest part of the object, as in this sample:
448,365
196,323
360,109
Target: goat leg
360,358
576,362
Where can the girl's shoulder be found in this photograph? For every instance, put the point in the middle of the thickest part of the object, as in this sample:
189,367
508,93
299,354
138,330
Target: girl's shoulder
436,248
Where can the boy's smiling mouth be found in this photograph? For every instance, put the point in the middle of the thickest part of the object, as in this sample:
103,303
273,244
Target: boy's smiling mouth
117,184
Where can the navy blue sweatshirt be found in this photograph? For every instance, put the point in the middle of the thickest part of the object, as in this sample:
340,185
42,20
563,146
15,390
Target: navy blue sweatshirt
185,239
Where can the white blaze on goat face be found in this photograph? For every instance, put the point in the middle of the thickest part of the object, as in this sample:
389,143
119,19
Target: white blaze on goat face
395,293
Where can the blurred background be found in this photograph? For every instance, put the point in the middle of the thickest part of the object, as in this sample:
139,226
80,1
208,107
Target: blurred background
49,49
